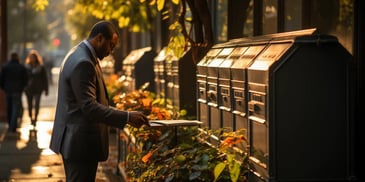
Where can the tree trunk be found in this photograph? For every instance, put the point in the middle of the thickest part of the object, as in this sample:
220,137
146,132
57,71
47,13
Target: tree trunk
202,26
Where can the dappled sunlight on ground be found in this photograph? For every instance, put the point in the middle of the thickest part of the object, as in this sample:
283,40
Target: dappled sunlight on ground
41,134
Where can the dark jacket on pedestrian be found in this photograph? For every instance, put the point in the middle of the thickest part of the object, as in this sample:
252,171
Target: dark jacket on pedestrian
13,77
38,81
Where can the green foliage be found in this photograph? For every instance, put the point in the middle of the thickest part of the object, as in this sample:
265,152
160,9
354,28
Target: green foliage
40,5
135,15
25,24
160,4
182,154
79,22
177,42
218,170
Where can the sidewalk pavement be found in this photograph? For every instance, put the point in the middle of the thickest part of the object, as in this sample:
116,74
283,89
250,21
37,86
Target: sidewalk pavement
25,156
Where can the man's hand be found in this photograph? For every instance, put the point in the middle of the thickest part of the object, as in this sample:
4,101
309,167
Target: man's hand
137,119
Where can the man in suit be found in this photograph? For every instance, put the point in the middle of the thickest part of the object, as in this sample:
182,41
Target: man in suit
80,131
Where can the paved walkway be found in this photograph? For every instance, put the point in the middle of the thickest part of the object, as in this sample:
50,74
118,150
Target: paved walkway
25,156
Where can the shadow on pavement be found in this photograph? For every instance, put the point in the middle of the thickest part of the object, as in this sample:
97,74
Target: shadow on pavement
18,156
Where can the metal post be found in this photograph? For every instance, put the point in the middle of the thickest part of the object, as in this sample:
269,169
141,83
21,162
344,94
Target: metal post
3,51
4,37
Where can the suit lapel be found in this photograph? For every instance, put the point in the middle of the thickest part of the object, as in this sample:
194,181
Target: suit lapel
100,76
101,81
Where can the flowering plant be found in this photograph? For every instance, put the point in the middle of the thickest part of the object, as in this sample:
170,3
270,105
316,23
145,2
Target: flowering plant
115,85
145,101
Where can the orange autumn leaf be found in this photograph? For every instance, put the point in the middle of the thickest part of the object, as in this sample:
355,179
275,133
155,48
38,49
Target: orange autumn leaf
165,114
155,110
113,77
159,116
146,157
232,140
146,102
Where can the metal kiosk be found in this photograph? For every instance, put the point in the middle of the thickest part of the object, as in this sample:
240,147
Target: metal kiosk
299,99
183,72
174,80
201,76
138,68
160,73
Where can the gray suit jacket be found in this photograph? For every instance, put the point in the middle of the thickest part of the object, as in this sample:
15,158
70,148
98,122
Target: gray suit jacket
80,130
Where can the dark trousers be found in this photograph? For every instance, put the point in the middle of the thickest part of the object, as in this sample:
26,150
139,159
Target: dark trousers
80,171
13,104
33,105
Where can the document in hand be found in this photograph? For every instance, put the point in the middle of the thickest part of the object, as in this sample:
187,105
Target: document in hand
174,122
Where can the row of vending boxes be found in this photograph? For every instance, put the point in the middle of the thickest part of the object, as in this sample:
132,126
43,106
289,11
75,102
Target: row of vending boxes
285,89
275,86
223,99
232,79
170,78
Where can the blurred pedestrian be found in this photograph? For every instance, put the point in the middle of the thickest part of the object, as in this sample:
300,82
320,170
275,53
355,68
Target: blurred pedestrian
80,130
13,79
37,84
48,63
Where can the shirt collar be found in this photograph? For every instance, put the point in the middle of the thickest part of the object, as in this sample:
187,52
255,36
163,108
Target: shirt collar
92,50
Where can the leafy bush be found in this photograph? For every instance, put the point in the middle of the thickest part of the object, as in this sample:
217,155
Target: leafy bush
183,154
179,153
145,101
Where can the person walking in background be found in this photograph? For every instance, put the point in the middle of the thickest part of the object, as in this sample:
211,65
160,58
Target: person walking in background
80,130
48,63
37,84
13,79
